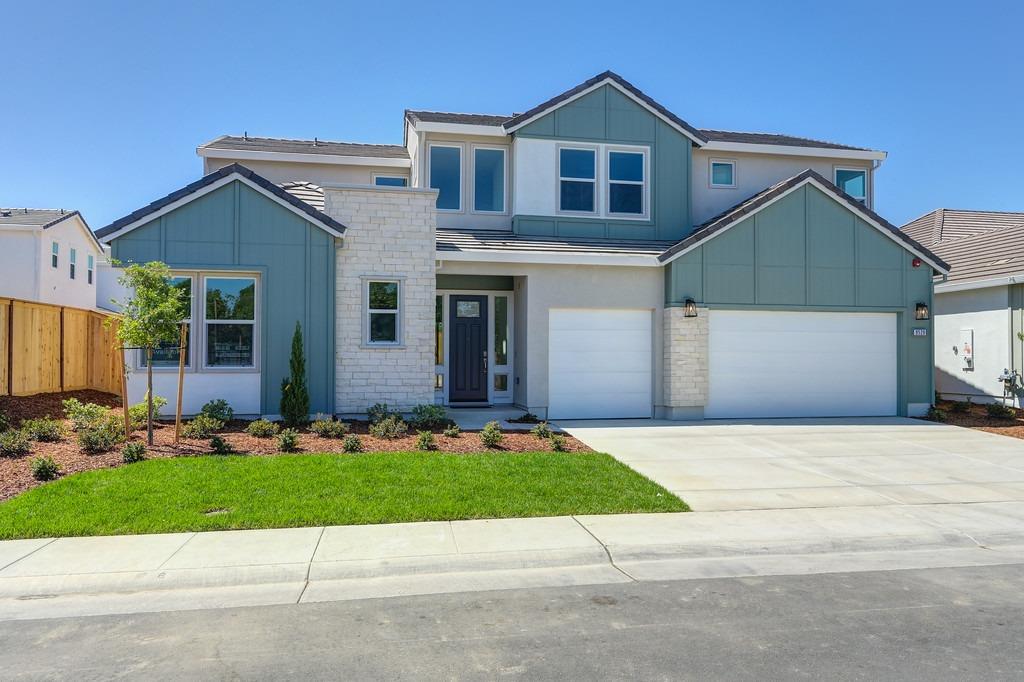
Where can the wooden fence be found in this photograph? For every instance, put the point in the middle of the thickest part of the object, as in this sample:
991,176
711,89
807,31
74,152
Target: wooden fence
48,348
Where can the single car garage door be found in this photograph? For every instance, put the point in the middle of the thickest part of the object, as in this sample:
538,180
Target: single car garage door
599,363
792,364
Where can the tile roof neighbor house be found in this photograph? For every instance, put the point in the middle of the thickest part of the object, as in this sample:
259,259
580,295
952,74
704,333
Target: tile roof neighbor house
979,308
594,256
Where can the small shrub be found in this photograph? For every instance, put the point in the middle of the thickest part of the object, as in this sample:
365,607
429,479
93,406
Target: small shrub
425,441
262,428
218,409
960,406
379,413
44,468
528,418
219,446
294,394
352,444
453,431
429,416
542,430
389,427
999,411
83,415
5,422
133,452
102,436
14,443
935,414
288,440
43,430
329,428
491,435
137,414
201,426
558,443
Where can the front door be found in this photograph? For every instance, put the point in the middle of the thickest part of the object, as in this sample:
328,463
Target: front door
467,381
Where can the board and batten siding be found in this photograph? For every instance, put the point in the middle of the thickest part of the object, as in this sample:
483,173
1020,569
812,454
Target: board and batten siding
605,116
808,252
236,228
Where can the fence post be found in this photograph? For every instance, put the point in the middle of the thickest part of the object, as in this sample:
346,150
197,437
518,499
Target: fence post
10,347
60,330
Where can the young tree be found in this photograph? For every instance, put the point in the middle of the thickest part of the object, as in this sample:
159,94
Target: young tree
294,394
150,316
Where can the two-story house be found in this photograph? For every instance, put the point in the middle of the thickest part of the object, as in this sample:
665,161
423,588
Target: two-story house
594,256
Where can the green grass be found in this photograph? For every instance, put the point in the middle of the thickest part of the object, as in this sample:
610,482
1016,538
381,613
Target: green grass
214,493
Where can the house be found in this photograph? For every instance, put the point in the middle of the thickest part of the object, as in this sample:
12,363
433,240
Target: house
979,308
595,256
48,256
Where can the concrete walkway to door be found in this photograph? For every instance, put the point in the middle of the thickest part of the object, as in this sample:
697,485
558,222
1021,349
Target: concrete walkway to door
793,463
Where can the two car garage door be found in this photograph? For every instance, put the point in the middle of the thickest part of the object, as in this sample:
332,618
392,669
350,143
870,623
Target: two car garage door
760,364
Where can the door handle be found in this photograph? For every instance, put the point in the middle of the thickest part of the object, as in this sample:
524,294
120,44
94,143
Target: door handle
485,362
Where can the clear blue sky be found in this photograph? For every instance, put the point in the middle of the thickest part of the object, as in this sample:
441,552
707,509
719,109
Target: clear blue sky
104,103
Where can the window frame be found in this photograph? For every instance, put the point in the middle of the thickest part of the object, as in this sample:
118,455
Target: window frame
90,268
462,173
711,173
193,277
398,312
505,179
54,254
376,176
255,322
72,262
596,151
854,169
645,183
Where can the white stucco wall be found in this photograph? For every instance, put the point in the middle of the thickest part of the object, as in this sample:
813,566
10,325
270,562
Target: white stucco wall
318,173
240,389
986,311
19,263
27,270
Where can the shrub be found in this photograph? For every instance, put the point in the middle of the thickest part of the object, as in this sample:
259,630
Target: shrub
83,415
491,435
262,428
528,418
542,430
218,409
14,443
453,431
960,406
379,413
429,416
425,441
329,428
133,452
389,427
5,422
43,430
288,440
352,444
935,414
201,426
44,468
558,443
999,411
102,436
219,446
138,413
294,394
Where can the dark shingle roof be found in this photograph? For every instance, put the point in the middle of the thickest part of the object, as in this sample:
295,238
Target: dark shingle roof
271,144
34,216
307,192
206,180
978,245
449,117
772,138
748,206
495,240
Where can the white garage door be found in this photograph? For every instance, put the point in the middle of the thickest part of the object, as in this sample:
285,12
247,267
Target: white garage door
599,363
789,364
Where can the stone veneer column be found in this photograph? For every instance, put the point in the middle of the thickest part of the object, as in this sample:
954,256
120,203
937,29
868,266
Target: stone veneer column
390,236
686,363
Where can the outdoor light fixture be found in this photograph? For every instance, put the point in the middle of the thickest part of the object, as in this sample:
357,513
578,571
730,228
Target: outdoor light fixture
690,308
921,312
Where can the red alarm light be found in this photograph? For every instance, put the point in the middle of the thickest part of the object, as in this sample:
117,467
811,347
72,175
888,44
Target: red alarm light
916,262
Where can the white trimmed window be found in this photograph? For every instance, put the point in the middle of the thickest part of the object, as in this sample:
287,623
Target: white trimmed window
167,354
54,253
72,259
90,267
722,173
577,180
390,181
853,181
445,170
229,307
489,164
383,312
627,183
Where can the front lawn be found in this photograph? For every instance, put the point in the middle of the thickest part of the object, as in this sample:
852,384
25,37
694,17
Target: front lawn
218,493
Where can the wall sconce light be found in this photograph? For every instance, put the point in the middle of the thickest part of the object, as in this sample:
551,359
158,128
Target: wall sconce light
921,311
690,308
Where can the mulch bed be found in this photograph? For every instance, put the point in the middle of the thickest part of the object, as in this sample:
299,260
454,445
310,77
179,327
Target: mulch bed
976,418
16,474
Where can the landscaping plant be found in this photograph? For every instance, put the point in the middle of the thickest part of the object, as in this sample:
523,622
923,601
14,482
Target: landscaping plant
542,430
999,411
219,446
352,444
14,443
83,415
491,435
262,428
138,413
5,422
425,441
201,426
558,443
453,431
43,429
379,412
150,316
389,428
960,406
44,468
329,428
133,452
102,436
294,394
935,414
218,409
288,440
429,416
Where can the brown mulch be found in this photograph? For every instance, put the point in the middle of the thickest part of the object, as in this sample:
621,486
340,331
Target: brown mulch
976,418
16,474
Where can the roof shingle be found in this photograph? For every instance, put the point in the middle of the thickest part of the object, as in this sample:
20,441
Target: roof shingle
314,146
978,245
774,139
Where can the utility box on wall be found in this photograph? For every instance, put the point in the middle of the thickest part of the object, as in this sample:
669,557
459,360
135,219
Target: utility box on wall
967,349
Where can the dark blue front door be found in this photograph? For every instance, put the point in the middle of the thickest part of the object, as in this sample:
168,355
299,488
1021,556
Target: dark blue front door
467,381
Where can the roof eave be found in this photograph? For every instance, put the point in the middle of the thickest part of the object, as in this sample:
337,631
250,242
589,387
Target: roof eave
793,150
298,157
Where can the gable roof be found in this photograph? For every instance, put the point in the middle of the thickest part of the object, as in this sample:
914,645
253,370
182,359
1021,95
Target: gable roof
314,146
451,117
44,218
769,195
209,182
946,224
979,245
620,83
775,139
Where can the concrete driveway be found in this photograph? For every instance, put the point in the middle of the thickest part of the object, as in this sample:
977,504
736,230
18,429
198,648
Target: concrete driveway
793,463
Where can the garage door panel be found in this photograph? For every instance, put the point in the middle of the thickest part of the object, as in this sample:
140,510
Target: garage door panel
602,382
613,340
588,361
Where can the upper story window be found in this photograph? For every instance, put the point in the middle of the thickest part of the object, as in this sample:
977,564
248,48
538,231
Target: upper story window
54,252
90,266
627,188
382,312
489,179
446,175
230,320
390,180
577,180
71,261
722,173
853,181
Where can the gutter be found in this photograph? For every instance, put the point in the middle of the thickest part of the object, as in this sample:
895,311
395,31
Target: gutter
946,287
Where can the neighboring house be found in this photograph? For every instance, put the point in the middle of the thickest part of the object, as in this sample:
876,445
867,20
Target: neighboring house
979,308
48,255
595,256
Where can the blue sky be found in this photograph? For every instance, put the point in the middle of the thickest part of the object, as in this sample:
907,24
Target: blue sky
104,103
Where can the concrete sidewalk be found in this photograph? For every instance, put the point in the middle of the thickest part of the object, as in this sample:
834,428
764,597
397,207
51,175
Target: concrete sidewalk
123,574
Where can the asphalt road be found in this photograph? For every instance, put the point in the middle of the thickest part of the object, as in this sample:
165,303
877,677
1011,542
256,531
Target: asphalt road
936,624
